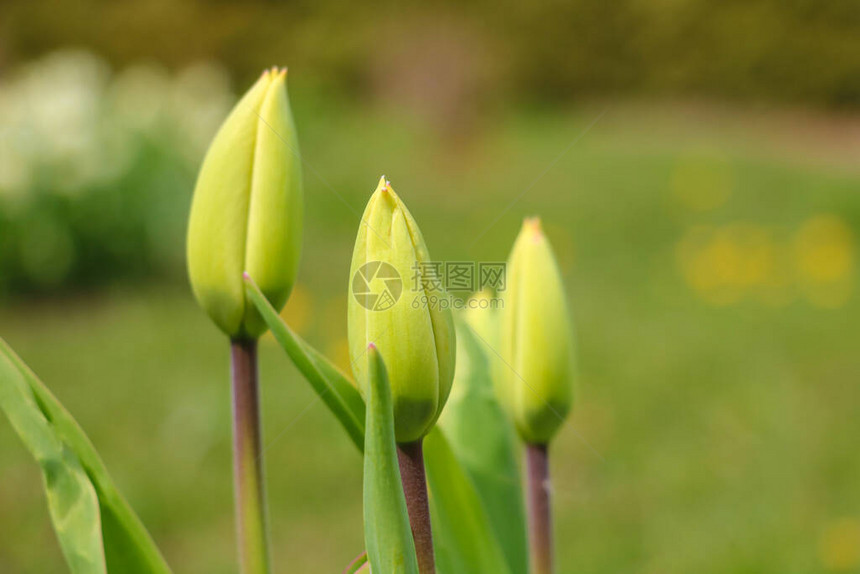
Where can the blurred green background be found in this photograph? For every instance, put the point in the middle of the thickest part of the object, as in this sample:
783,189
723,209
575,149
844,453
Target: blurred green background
696,167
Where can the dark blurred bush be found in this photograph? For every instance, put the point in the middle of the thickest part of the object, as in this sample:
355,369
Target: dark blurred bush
96,170
548,50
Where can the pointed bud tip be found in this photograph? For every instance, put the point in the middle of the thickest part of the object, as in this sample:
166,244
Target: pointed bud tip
532,225
278,78
246,276
384,184
371,346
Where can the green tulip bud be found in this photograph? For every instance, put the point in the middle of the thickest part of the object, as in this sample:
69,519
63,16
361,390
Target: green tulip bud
415,337
536,339
483,317
247,210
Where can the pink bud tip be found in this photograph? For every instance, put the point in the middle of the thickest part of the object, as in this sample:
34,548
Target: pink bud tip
371,346
534,226
246,276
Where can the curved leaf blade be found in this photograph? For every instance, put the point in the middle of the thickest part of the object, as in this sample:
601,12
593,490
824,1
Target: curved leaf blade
387,536
125,545
465,542
482,439
330,384
72,500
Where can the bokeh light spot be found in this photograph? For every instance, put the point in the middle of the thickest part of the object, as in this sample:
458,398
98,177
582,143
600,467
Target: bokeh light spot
824,259
839,545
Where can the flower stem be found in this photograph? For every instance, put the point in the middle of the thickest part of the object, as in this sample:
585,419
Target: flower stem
249,490
540,520
410,457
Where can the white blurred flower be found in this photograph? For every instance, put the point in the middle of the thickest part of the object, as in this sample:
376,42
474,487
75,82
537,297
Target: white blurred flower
63,103
65,118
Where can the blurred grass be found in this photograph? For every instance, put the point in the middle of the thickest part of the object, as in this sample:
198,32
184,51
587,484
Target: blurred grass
716,426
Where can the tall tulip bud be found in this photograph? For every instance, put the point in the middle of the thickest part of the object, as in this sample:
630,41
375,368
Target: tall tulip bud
536,338
415,337
247,209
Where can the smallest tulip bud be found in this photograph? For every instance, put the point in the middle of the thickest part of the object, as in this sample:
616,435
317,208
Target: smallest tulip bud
536,339
483,316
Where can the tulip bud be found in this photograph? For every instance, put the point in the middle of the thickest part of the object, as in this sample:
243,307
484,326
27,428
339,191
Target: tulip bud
536,339
415,338
247,209
483,317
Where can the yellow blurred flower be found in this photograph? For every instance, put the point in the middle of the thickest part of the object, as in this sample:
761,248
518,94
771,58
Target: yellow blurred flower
725,264
297,312
824,260
338,352
839,545
711,262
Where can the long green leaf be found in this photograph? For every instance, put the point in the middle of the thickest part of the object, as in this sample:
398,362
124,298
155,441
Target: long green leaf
482,439
464,541
96,526
72,500
387,536
332,386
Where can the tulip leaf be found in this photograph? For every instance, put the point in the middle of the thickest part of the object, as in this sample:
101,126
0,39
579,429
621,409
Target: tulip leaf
332,386
97,529
464,540
482,439
387,535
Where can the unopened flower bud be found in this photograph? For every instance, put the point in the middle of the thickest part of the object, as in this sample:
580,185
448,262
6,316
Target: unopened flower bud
536,339
414,334
247,209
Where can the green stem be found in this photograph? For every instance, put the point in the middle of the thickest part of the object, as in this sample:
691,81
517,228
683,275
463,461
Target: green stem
540,518
410,457
248,484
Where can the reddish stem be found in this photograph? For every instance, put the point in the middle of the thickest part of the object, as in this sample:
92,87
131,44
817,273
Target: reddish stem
540,516
410,457
249,491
